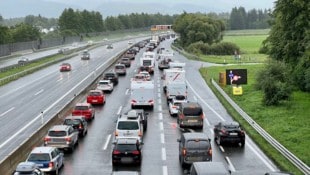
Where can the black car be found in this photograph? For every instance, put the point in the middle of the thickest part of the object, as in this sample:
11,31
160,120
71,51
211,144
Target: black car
127,150
111,76
229,132
78,123
125,61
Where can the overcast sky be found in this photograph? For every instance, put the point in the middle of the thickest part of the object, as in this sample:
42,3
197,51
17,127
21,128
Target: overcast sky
54,8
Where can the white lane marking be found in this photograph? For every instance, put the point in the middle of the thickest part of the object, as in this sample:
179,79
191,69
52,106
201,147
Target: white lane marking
163,154
39,92
165,170
222,149
127,91
259,156
159,108
159,95
161,126
59,79
119,110
159,102
205,102
232,168
158,85
7,111
162,138
207,121
107,142
160,116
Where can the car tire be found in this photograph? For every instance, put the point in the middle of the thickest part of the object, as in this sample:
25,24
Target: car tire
219,142
242,143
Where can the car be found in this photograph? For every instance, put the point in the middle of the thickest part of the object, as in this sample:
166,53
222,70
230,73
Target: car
130,42
105,85
125,61
109,46
95,97
23,60
190,115
62,137
140,114
139,77
127,151
146,75
78,123
208,168
120,69
85,55
85,109
130,54
112,76
129,125
65,67
27,168
175,103
194,147
48,159
229,132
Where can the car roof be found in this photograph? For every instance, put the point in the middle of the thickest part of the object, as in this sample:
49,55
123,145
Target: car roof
75,117
210,168
42,149
82,104
230,123
26,167
191,104
96,90
126,140
125,173
59,127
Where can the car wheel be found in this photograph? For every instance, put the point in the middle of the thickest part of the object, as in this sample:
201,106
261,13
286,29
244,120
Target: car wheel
242,143
219,142
56,172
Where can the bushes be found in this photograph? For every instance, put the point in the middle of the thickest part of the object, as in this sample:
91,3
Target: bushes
224,48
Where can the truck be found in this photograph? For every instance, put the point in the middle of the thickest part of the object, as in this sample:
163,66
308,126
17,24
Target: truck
174,89
172,75
147,62
142,94
155,40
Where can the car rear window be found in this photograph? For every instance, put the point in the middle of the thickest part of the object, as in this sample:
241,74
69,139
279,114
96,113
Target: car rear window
126,147
192,111
147,62
95,94
57,133
109,75
198,144
128,125
72,122
119,67
39,157
81,107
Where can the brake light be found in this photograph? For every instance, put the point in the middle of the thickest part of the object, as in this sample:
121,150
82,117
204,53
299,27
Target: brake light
46,139
181,116
151,101
242,133
140,134
116,152
136,152
210,152
202,116
68,139
116,133
51,164
184,151
80,126
133,101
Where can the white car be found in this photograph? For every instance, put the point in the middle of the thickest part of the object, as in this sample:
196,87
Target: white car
174,104
147,75
105,85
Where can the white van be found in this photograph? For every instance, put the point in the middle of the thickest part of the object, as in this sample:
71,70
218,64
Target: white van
142,94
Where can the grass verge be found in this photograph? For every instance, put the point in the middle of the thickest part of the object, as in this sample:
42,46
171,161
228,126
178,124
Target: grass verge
279,121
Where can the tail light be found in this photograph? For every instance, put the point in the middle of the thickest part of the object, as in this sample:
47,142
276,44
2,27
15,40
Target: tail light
181,116
210,151
51,164
68,140
47,139
116,133
202,116
242,133
116,152
135,152
80,126
151,101
133,101
140,134
174,107
184,151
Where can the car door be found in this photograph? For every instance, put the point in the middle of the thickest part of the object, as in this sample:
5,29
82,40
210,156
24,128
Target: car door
57,158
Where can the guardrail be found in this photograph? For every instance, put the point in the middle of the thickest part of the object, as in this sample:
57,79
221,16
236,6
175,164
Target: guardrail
285,152
19,154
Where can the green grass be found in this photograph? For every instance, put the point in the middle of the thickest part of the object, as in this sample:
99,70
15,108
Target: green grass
288,123
249,44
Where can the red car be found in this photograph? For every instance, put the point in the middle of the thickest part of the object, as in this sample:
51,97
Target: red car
84,109
96,97
65,67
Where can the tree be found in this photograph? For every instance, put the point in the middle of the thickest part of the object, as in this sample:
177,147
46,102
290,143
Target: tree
5,35
25,32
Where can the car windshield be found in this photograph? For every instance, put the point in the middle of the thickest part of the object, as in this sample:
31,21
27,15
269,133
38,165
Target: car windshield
128,125
198,144
82,108
57,133
39,157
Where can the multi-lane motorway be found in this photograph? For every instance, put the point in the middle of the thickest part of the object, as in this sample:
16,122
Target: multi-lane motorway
23,101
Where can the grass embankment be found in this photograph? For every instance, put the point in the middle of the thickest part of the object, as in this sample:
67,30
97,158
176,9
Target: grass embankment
249,43
288,122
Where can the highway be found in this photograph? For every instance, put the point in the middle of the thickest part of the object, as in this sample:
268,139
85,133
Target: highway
24,100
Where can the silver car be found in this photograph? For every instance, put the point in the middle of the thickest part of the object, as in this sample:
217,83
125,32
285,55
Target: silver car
105,85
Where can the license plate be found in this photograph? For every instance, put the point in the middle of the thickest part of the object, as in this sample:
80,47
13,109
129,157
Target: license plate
40,165
95,100
126,160
192,120
233,134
